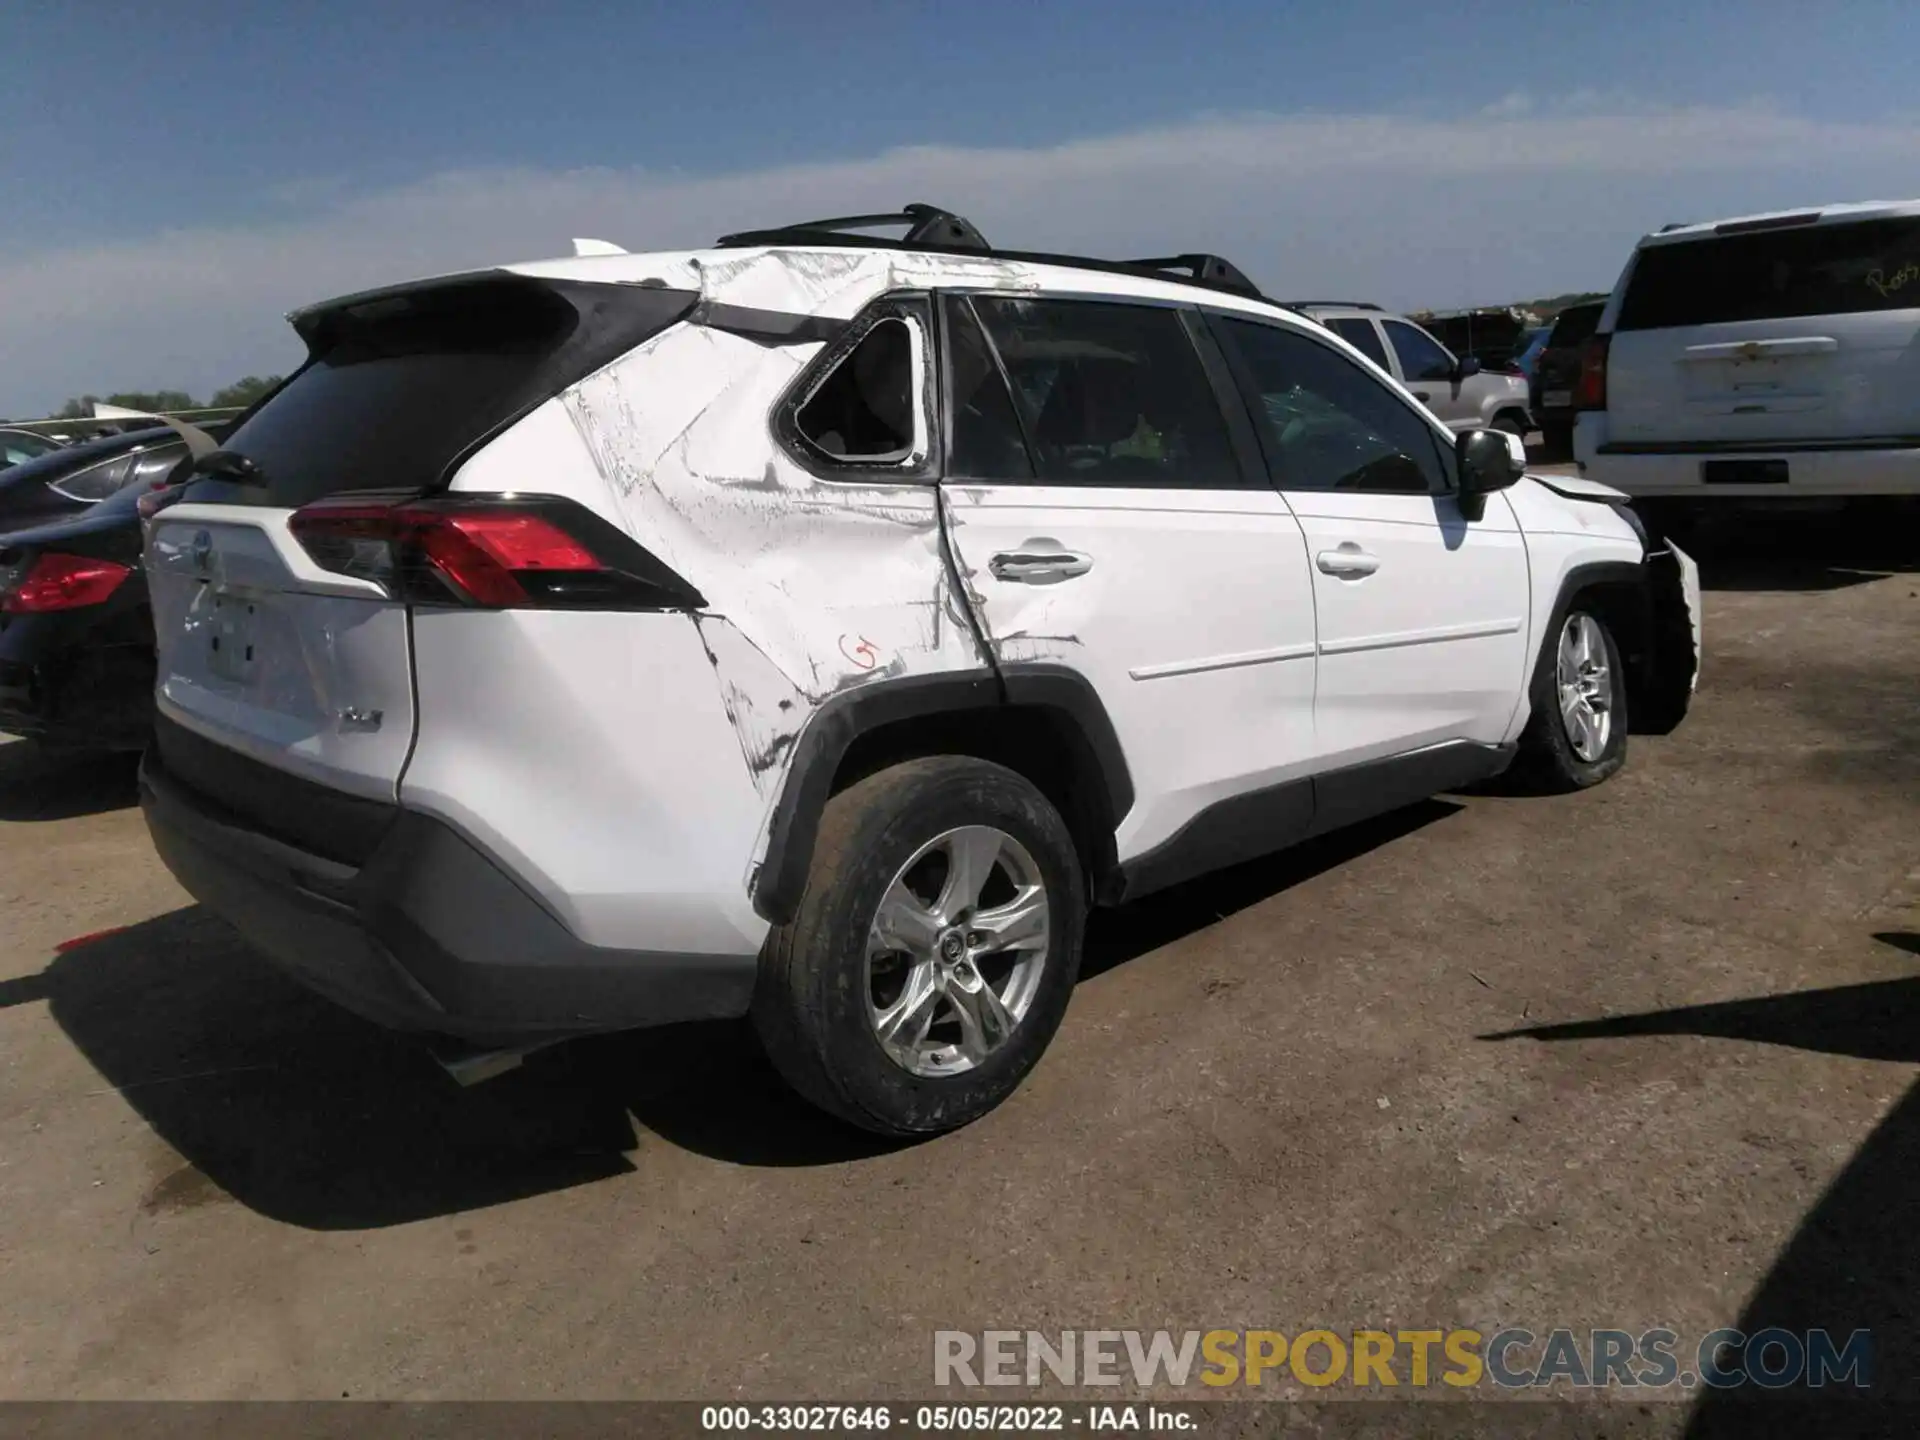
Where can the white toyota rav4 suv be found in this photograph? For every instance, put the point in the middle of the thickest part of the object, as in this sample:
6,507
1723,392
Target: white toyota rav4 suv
815,626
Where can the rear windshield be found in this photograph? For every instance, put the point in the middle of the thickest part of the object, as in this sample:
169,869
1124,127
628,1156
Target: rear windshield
1575,326
1774,274
398,388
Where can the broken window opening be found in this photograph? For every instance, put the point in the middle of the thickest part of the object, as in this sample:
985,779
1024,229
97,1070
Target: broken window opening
863,411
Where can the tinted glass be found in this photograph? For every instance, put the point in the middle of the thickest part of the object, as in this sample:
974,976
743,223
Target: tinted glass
1774,274
1111,394
863,410
19,446
404,384
97,482
985,438
1363,337
1421,357
1327,424
1574,326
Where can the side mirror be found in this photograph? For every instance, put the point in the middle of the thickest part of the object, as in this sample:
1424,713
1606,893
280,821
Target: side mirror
1466,367
1490,460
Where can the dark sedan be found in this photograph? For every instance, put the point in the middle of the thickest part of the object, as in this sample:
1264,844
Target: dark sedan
76,633
72,479
19,446
1556,374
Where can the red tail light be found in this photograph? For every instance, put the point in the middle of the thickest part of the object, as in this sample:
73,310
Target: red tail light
524,552
1592,391
63,582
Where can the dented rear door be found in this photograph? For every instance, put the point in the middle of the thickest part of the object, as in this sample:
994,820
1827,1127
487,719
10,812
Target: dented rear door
1106,527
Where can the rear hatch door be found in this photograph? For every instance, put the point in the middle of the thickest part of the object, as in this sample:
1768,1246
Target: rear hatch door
304,668
1797,330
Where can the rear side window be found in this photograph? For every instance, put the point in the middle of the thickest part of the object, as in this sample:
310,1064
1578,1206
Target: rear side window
1575,326
863,411
1421,357
1111,394
397,388
1363,337
1775,274
1327,424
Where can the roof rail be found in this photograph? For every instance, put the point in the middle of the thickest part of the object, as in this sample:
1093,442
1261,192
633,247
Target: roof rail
1210,268
926,225
1329,304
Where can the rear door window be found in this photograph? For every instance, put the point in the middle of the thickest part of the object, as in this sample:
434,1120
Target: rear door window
1111,394
1840,269
1362,335
1421,357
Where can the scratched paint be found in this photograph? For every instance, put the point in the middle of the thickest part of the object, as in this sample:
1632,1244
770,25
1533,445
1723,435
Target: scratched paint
813,586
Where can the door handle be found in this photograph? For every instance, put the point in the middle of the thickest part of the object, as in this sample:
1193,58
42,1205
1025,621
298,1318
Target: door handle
1349,562
1039,562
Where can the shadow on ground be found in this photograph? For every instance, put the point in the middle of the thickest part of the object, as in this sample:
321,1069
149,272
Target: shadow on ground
1801,550
36,785
1854,1262
306,1114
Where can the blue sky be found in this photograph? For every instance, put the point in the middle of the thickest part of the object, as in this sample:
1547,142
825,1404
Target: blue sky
175,177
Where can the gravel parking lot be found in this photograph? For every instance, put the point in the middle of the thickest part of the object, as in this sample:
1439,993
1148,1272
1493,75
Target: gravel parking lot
1642,1056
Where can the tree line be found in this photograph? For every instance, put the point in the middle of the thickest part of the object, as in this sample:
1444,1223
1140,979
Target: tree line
237,395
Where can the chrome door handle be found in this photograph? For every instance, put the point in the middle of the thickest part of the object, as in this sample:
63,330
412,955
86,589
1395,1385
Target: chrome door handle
1349,562
1039,562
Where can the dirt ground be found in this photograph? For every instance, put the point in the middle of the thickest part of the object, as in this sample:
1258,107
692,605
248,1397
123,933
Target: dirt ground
1642,1056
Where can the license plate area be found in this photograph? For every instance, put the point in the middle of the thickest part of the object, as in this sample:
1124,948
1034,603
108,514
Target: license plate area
1743,472
230,638
1557,399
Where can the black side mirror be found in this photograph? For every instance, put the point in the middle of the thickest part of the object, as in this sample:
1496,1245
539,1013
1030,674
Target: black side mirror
1490,460
1466,367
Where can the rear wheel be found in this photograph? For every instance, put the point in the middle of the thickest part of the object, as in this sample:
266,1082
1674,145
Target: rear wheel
934,951
1513,424
1577,734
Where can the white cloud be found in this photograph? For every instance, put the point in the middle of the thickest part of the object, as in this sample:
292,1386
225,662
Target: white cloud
1513,202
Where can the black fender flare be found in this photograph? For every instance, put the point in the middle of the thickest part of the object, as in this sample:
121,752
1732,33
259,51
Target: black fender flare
1583,577
843,718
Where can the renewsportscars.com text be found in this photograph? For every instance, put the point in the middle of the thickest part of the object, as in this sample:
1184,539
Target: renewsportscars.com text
1510,1359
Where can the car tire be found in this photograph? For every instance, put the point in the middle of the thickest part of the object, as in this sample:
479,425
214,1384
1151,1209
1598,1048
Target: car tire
1557,440
965,1022
1511,423
1576,735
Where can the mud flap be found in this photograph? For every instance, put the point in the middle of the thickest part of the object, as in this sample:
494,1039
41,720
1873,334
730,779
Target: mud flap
1673,670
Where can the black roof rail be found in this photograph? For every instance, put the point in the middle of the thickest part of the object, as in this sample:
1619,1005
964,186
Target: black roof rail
925,225
930,228
1210,268
1328,304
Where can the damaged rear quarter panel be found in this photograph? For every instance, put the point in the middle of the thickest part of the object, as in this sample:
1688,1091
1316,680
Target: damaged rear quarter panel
814,586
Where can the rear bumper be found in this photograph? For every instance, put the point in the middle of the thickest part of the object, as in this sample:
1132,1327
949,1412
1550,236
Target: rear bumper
428,934
1841,471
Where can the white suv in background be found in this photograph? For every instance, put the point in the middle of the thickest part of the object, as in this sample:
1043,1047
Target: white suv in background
1455,388
815,626
1772,356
